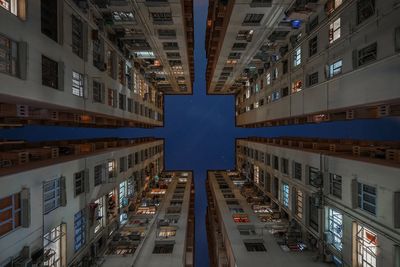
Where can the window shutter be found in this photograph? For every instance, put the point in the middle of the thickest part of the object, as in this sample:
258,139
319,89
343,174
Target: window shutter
397,256
85,41
22,60
25,208
354,194
86,181
61,76
63,193
355,59
396,205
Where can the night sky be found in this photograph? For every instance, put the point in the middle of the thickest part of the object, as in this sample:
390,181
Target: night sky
200,131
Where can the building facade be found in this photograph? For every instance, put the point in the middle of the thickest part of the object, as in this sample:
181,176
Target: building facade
94,63
344,195
61,201
316,61
166,228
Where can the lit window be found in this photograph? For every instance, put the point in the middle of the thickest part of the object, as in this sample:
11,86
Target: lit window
145,54
366,247
99,215
335,68
77,84
52,247
276,96
299,203
268,78
123,200
10,210
256,104
297,57
122,16
285,194
256,174
334,30
80,229
247,93
10,5
335,228
297,86
111,168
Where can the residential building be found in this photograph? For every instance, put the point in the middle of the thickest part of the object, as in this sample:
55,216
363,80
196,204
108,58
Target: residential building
305,61
342,195
239,232
92,63
62,200
160,231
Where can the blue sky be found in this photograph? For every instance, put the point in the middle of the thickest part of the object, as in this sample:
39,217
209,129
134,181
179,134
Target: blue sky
200,131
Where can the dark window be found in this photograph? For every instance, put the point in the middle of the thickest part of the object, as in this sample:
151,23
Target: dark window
285,66
173,55
130,104
98,92
162,17
163,248
297,169
166,33
313,78
170,46
8,56
79,179
239,46
122,164
367,198
313,214
284,166
98,174
313,46
313,24
252,19
335,185
261,3
122,101
315,177
49,72
367,54
365,9
49,21
253,246
234,55
77,36
276,162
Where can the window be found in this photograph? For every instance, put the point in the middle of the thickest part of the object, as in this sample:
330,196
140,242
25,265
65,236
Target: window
285,194
256,174
334,30
112,97
285,66
166,33
313,46
49,72
77,84
367,198
52,246
297,170
261,3
51,195
268,78
49,18
77,37
173,55
298,203
162,17
313,24
99,215
8,56
98,56
313,214
80,229
79,180
297,86
284,166
365,10
98,174
123,200
170,46
367,54
163,248
122,164
98,92
122,101
254,246
10,5
239,46
268,159
335,228
335,68
315,177
234,55
367,247
10,210
313,78
297,57
335,185
252,19
276,162
121,16
111,168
